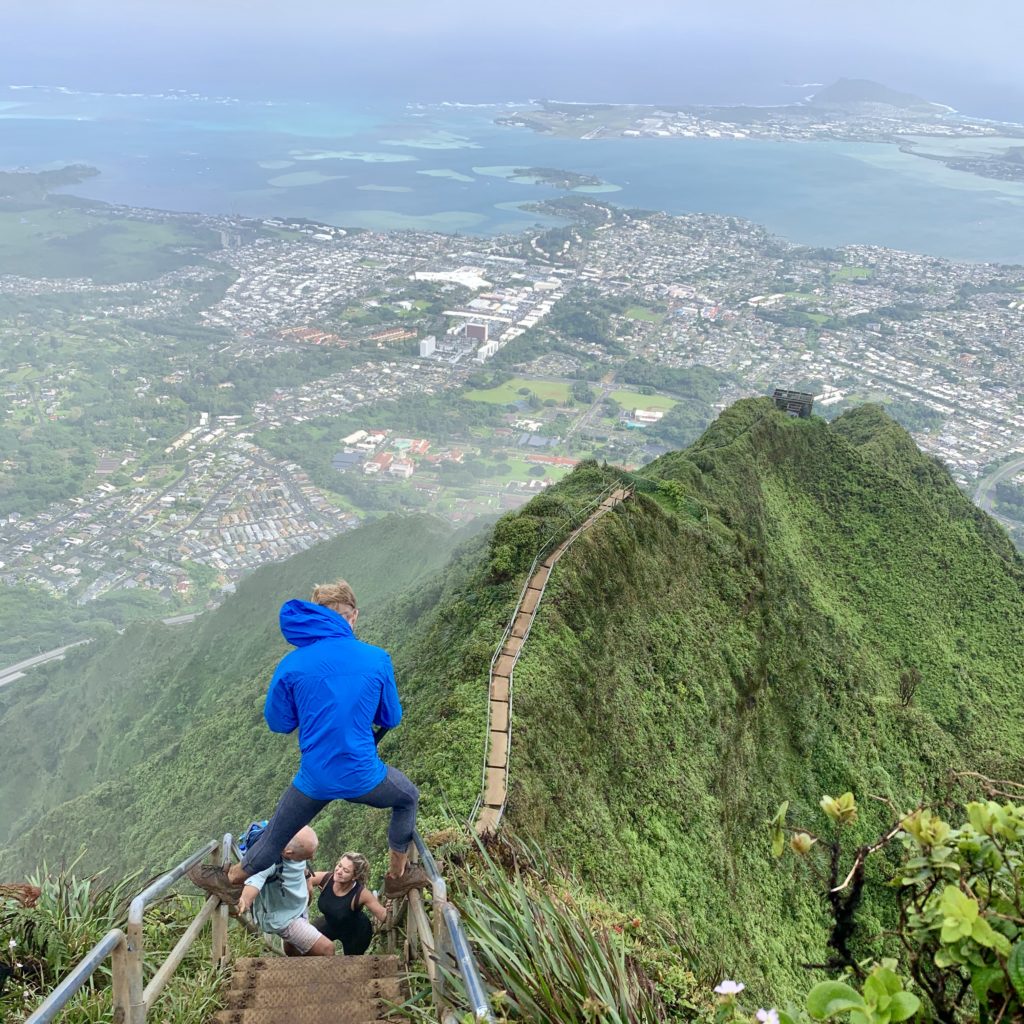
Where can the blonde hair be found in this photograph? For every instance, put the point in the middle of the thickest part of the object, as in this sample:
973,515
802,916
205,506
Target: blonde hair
360,866
337,596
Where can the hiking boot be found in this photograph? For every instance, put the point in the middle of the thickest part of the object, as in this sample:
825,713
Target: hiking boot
414,877
214,879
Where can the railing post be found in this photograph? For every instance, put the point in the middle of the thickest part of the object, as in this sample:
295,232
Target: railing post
443,958
120,977
133,932
219,928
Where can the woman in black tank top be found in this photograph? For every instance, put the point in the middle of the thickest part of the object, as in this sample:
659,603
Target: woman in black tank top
343,897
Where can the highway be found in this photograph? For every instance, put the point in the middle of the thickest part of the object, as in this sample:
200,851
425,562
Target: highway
16,671
12,672
984,493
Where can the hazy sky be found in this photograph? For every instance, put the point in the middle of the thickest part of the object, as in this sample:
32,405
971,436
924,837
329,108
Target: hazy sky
634,49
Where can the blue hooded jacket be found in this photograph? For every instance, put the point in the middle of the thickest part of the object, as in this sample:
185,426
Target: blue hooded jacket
334,689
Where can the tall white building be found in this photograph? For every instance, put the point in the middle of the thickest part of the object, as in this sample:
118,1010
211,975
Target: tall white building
428,346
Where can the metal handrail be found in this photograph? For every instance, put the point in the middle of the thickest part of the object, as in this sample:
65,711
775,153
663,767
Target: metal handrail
457,945
555,535
131,1000
112,944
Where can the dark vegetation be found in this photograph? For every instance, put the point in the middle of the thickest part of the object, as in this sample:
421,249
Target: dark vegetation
34,185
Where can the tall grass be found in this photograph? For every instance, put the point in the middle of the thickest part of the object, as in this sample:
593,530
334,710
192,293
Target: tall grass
552,956
70,916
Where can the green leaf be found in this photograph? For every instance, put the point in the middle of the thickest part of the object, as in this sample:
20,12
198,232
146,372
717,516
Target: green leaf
786,1018
903,1005
778,842
983,980
829,998
955,904
1015,968
888,979
776,824
985,935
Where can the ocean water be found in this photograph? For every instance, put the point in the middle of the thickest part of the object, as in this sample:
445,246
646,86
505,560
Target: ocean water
450,168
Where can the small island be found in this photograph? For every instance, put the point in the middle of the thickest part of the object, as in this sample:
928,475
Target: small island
556,178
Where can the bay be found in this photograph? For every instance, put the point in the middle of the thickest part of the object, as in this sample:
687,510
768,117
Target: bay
449,168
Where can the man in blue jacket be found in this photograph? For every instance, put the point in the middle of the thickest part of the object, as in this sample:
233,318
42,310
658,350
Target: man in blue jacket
334,689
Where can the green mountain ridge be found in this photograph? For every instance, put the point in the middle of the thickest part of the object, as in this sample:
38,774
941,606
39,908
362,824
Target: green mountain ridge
732,636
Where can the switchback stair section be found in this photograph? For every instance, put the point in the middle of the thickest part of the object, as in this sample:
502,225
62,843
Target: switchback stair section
491,805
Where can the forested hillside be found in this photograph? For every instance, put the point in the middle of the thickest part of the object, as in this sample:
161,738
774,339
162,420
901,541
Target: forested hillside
110,708
789,608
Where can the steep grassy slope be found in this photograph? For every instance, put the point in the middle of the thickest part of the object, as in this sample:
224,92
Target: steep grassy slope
209,763
694,665
109,708
732,636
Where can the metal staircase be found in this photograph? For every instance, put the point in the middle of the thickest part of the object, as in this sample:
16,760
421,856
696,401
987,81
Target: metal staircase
290,990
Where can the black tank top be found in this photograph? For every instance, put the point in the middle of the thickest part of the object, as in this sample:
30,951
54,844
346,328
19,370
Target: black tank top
345,920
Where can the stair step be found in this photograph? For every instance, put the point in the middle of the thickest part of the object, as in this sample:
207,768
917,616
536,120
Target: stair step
389,964
499,687
353,1011
268,994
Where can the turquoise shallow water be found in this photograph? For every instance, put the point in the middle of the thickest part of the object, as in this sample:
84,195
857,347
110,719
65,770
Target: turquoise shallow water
450,169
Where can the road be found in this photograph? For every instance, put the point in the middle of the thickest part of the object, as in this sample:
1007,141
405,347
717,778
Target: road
12,672
984,493
17,671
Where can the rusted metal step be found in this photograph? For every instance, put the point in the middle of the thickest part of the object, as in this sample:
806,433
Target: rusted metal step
266,994
504,665
494,790
522,624
365,967
350,1011
312,990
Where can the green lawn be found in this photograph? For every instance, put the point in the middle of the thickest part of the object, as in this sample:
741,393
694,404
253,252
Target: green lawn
54,241
633,400
850,273
643,313
519,469
509,391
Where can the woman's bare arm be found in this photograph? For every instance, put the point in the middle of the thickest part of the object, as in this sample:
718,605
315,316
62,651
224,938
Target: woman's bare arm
372,904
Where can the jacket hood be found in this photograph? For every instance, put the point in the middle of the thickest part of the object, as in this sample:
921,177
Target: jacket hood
303,623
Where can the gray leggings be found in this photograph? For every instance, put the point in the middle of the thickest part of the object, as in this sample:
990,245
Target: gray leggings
295,810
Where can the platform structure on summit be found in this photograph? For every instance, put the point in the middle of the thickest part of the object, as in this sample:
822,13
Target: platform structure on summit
795,403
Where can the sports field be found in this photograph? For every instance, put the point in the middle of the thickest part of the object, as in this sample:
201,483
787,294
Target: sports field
508,392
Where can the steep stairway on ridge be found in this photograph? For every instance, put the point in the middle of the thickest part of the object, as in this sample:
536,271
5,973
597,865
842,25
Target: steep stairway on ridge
500,686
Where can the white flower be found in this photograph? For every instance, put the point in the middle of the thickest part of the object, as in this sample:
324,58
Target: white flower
768,1016
19,966
12,943
729,988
